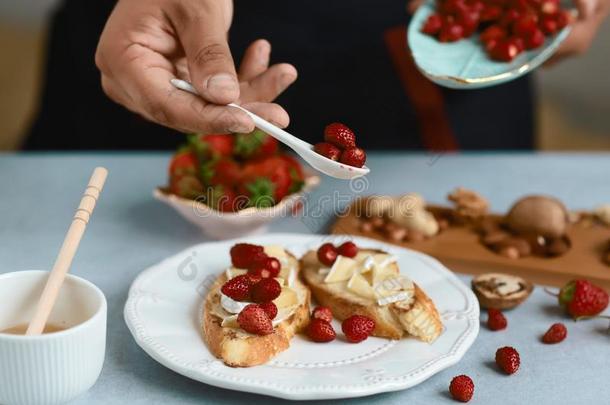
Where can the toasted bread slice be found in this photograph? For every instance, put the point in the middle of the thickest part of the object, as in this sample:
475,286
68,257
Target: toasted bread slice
414,315
237,348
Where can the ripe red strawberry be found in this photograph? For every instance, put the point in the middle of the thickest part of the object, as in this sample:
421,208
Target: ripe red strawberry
450,33
525,25
469,20
556,333
293,164
496,320
213,145
453,6
348,249
549,6
320,331
266,267
504,51
327,254
432,25
534,40
461,388
353,157
323,313
224,171
490,13
224,199
183,163
187,186
243,254
562,18
493,32
270,309
581,298
238,288
254,319
266,290
266,181
507,358
255,145
357,328
328,150
548,25
518,42
509,17
254,278
340,135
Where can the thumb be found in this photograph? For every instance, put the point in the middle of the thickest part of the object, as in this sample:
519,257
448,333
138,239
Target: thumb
201,30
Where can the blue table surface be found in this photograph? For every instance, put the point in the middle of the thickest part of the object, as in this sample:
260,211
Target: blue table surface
131,231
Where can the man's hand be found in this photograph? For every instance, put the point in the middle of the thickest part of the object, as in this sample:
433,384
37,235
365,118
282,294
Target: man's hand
147,43
591,14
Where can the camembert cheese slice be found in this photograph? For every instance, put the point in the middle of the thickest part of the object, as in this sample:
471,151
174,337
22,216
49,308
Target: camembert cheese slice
233,272
360,286
287,298
342,270
275,251
230,322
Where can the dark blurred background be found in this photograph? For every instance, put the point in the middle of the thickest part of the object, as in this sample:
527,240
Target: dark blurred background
573,99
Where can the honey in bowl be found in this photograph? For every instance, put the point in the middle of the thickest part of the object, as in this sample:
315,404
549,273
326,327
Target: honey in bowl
21,329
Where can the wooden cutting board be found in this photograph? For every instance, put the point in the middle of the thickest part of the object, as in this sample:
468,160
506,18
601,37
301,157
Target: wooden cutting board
459,249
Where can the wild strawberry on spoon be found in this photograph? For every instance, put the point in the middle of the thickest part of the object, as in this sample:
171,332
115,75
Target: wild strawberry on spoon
340,144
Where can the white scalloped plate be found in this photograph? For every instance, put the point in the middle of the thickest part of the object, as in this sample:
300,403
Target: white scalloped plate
163,313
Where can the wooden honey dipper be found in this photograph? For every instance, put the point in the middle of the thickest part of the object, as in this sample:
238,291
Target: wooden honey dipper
67,251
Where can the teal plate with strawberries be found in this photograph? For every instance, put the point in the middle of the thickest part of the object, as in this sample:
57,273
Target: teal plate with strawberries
465,64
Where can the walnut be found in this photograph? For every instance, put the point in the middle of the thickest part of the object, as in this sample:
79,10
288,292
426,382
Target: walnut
468,204
602,213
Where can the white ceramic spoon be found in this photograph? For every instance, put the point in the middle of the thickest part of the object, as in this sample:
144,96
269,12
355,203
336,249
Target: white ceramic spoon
302,148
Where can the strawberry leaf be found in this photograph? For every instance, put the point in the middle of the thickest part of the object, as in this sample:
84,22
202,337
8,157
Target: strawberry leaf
297,183
261,192
247,144
566,294
207,171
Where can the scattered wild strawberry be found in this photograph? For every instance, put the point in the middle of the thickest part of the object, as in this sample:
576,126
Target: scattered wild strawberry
327,254
496,320
270,309
357,328
238,288
254,319
243,254
556,333
266,290
461,388
320,331
507,358
348,249
266,267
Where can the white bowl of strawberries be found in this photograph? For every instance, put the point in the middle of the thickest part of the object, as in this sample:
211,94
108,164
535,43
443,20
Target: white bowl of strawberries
233,185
